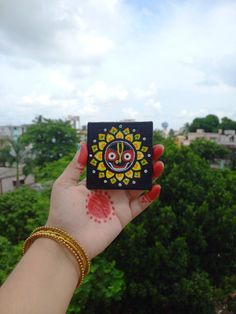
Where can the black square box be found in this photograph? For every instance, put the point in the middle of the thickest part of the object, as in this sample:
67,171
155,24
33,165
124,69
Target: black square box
120,155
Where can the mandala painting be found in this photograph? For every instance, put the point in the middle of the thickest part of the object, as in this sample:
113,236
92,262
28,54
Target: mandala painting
119,155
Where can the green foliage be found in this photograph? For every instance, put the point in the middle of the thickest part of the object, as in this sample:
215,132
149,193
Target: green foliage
51,170
209,150
50,140
20,212
210,124
103,286
178,257
227,124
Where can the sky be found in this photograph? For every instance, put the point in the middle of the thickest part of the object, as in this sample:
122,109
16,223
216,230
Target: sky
110,60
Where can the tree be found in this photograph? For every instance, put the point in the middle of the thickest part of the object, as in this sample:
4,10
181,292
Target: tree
210,123
227,124
15,153
209,150
50,140
178,257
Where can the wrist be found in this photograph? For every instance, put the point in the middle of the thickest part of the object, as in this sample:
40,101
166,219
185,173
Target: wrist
58,253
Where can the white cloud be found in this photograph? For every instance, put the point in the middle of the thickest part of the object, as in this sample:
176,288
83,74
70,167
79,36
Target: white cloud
111,59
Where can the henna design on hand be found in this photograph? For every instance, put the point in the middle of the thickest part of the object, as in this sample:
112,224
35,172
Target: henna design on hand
99,206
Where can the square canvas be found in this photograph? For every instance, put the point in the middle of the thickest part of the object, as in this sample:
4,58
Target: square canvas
120,155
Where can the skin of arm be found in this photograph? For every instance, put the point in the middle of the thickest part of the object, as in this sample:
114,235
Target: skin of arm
44,280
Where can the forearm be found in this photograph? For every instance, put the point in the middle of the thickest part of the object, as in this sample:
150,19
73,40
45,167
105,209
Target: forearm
42,282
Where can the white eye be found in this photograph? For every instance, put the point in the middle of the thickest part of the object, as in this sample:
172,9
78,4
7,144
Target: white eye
111,156
127,156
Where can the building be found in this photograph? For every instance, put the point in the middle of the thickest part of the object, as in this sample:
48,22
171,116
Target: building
12,131
226,139
8,179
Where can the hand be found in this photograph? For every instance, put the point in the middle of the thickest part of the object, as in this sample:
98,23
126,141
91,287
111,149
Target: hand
96,217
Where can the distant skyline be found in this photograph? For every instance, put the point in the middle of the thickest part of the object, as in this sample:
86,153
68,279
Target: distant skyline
110,60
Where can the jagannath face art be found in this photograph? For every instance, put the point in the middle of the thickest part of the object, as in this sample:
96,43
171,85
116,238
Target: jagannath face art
119,156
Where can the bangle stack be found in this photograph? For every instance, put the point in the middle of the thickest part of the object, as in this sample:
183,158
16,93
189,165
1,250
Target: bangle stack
65,239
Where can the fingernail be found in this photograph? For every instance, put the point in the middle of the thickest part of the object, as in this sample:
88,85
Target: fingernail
78,147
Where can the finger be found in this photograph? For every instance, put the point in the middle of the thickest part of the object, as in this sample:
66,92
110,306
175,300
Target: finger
75,168
158,150
158,168
143,201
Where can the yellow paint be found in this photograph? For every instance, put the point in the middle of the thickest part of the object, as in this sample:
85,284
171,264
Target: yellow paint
144,149
119,135
98,156
137,166
109,174
140,155
119,176
137,174
113,180
101,145
101,166
113,130
143,162
126,131
93,162
94,148
101,175
101,137
137,145
126,181
109,138
129,137
129,174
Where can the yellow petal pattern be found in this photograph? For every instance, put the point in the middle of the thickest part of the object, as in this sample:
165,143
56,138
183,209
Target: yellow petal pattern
140,155
98,156
126,131
129,174
113,130
110,138
101,166
119,135
113,180
119,176
94,148
137,145
126,181
109,174
93,162
101,137
137,166
129,137
101,145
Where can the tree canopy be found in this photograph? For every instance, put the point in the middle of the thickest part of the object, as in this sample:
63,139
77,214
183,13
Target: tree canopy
211,123
179,256
50,140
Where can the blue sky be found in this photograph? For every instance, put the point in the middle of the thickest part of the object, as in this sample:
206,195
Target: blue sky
117,59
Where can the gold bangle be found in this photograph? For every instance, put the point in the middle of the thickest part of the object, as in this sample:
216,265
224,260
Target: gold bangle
65,239
79,247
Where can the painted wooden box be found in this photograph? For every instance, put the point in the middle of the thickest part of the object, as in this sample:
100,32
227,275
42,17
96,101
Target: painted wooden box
119,155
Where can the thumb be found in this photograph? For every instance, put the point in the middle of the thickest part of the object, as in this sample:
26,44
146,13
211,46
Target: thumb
75,168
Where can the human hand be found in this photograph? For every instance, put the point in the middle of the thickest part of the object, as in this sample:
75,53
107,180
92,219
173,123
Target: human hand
96,217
